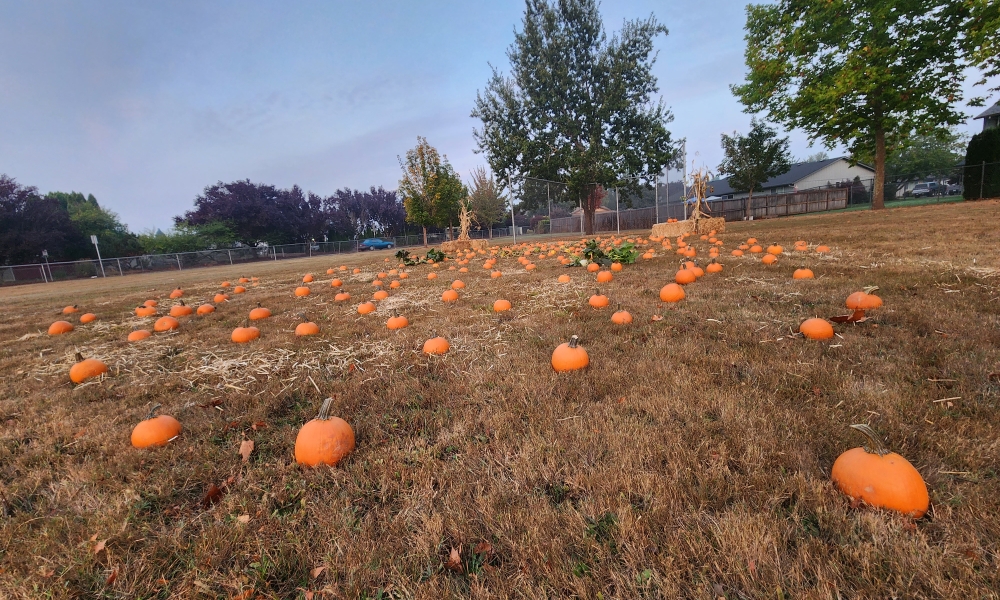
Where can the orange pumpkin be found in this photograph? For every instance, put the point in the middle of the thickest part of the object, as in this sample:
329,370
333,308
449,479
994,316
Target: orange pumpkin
604,277
219,298
307,328
621,317
165,324
881,478
336,283
138,335
671,292
802,273
397,322
449,296
616,267
239,289
685,276
242,335
205,309
816,329
177,293
342,297
70,309
593,267
145,311
307,278
324,440
495,274
714,267
436,345
302,291
225,284
380,295
864,300
432,276
180,310
60,327
88,317
564,278
598,300
259,313
86,368
501,305
457,284
769,259
570,356
775,249
155,430
822,249
366,307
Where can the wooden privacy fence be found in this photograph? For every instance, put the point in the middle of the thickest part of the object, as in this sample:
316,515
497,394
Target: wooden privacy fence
764,207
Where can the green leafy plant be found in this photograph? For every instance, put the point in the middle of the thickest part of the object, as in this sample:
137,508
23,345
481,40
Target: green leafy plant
625,254
435,255
407,259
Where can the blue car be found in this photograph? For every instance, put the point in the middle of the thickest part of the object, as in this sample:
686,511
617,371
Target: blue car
375,244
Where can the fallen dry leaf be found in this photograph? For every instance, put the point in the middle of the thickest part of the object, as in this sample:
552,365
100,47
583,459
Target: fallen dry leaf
259,425
454,561
245,449
112,577
243,519
857,316
100,546
483,548
317,572
212,495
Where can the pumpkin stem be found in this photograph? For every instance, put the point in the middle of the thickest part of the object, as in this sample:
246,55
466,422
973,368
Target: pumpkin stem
870,289
573,340
324,411
152,411
877,445
182,303
79,357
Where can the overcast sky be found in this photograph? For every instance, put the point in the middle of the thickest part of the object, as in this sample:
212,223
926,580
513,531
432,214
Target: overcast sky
143,104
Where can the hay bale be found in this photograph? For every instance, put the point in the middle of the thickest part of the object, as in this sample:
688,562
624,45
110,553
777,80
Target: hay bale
669,230
463,245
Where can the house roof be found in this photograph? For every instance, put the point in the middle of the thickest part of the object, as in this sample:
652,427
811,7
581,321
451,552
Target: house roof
797,173
989,112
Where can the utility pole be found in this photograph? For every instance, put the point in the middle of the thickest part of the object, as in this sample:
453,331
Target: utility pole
684,178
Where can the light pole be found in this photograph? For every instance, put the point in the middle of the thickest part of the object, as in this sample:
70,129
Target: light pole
93,240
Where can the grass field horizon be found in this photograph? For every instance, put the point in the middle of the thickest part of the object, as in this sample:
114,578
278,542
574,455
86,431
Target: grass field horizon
690,460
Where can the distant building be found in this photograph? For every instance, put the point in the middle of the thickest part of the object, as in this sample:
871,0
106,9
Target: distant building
991,117
802,176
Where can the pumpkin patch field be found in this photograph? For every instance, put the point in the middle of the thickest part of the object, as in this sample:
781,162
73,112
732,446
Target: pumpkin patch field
504,425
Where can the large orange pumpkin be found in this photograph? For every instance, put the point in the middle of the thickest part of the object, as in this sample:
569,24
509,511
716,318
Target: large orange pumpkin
366,307
145,311
165,324
242,335
449,296
180,310
139,335
501,305
436,345
86,368
671,293
816,329
397,322
325,440
155,430
60,327
881,478
570,356
177,293
259,313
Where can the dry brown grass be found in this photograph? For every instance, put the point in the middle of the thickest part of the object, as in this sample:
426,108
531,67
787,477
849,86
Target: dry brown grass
691,460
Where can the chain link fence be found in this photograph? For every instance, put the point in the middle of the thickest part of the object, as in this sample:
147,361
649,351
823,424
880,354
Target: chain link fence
179,261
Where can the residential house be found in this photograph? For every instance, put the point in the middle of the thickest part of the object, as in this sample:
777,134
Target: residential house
800,177
991,117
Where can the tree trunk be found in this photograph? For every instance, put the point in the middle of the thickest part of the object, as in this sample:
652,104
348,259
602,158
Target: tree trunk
425,235
878,191
748,214
491,232
588,220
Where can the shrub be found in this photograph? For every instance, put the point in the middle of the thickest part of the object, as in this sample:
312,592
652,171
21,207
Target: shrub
980,181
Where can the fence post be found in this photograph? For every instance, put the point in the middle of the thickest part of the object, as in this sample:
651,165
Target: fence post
120,267
45,279
230,257
178,257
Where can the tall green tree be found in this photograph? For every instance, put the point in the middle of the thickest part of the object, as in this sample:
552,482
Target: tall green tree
430,188
864,73
92,219
577,107
488,204
450,194
750,160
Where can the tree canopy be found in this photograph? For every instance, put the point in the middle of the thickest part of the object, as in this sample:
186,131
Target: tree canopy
92,219
864,73
750,160
488,204
30,223
577,107
430,187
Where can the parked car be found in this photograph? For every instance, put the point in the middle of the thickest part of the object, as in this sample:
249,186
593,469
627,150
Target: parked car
925,190
954,189
375,244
